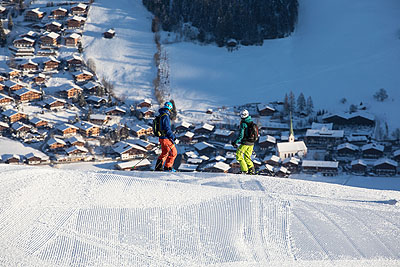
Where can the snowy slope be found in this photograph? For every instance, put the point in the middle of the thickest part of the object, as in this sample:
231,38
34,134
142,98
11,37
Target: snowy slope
52,217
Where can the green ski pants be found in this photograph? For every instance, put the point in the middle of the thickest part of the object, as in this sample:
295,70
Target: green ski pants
243,156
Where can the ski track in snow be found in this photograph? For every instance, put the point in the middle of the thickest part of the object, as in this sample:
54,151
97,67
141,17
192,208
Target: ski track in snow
54,217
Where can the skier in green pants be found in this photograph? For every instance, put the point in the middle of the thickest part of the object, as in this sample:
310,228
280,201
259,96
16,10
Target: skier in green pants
247,137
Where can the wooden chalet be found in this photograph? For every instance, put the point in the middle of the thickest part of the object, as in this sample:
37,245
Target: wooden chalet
2,78
91,87
75,22
39,79
70,91
74,61
223,135
138,131
12,115
116,111
324,167
372,150
24,42
347,149
363,119
26,95
217,167
336,119
5,100
204,129
31,35
79,9
2,86
272,160
281,171
205,148
56,144
13,73
182,127
14,85
109,34
185,138
50,39
96,101
66,129
11,158
148,129
34,15
36,158
76,141
265,110
76,150
358,166
82,76
3,127
53,103
20,128
98,119
324,137
38,122
145,144
385,167
129,151
53,26
28,66
396,155
59,13
292,164
72,40
266,141
146,103
51,64
88,129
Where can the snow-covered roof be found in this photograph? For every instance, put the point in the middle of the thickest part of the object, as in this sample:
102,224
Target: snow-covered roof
373,146
10,83
74,139
222,132
206,126
37,11
136,128
191,154
52,35
183,124
273,158
6,157
2,96
396,153
51,58
90,85
387,161
55,23
35,154
4,124
133,163
52,100
75,148
61,9
23,91
2,8
69,86
65,126
122,147
264,106
188,167
73,35
81,5
291,146
82,72
115,108
325,133
320,126
111,31
35,120
267,138
55,140
140,142
101,117
218,165
360,138
347,145
195,160
28,61
78,18
320,163
18,125
84,125
219,158
292,160
95,98
30,33
203,145
358,162
11,112
74,56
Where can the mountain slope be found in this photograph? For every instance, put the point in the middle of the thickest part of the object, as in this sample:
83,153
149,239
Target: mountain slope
63,217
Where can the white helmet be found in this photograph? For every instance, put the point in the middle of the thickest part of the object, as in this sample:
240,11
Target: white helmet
244,114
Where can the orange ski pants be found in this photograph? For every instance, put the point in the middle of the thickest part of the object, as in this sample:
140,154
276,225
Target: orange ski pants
168,152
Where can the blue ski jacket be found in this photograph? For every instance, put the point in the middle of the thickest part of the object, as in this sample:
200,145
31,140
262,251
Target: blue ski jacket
165,124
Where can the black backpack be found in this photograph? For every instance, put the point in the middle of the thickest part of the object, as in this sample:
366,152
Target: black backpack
252,132
157,131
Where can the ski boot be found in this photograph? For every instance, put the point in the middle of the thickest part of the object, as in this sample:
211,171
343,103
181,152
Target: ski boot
251,171
169,169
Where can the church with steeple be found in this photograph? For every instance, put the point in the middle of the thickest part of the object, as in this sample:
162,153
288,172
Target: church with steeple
291,148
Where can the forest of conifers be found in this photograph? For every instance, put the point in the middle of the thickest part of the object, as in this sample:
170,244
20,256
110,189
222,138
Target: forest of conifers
247,21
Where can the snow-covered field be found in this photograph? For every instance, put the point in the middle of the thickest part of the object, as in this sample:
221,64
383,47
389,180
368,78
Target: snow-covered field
51,217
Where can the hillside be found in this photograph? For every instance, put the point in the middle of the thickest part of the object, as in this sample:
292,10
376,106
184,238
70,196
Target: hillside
52,217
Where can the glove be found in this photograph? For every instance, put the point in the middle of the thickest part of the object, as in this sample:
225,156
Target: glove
233,143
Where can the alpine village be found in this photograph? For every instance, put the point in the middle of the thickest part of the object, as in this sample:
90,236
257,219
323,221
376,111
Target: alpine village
45,78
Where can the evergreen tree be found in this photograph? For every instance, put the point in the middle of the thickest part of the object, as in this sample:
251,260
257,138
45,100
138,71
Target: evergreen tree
81,100
3,37
309,105
286,106
10,22
301,103
292,102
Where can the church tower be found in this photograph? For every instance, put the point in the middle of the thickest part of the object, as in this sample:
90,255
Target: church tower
291,136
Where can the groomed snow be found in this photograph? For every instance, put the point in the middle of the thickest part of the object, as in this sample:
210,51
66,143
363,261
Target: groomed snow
51,217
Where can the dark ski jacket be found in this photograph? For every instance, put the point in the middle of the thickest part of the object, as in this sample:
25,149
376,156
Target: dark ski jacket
242,134
165,124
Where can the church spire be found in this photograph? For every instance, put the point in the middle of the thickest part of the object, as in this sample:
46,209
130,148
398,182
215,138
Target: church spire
291,136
